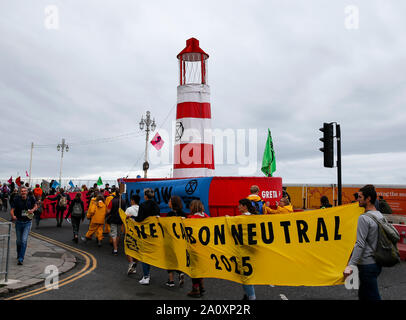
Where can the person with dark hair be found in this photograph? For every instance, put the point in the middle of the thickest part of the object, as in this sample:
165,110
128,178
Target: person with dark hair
22,212
197,211
114,219
176,206
148,208
77,213
384,207
62,202
246,209
363,252
324,203
131,213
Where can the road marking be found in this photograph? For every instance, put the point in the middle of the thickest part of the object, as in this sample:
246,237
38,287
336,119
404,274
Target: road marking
283,297
89,260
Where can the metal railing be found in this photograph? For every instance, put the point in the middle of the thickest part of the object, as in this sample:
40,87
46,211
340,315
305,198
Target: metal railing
5,237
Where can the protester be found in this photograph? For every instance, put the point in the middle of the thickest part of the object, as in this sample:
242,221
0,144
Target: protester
363,253
5,192
147,209
282,207
38,211
257,202
176,206
22,212
384,207
325,203
114,219
77,214
132,212
62,201
197,211
96,213
37,191
245,208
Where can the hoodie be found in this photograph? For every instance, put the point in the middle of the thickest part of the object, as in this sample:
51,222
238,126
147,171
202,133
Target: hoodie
257,198
97,211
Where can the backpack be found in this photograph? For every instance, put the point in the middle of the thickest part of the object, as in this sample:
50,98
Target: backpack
63,201
386,253
258,205
77,210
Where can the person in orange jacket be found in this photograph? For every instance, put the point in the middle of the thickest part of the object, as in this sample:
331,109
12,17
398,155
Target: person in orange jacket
283,207
97,213
37,191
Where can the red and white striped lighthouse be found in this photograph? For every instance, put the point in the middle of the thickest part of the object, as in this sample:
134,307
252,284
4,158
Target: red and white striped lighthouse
193,150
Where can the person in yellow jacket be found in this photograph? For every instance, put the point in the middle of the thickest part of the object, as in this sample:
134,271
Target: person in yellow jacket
106,225
257,202
96,213
283,207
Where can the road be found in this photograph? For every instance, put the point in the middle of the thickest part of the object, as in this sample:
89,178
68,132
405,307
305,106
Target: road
109,280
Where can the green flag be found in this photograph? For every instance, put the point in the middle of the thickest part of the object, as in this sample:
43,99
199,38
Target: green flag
99,182
268,160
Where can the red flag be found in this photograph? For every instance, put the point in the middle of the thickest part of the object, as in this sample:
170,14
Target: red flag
10,180
18,181
26,173
157,141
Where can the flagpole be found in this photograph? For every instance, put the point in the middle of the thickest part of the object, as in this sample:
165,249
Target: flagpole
29,178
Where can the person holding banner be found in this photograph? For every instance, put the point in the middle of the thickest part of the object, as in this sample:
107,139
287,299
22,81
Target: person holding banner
197,211
148,208
176,206
282,207
132,212
246,209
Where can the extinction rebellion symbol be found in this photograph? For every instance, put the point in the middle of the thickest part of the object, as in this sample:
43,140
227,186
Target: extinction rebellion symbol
179,131
191,187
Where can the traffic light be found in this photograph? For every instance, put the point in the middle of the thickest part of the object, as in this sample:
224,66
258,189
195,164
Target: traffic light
328,144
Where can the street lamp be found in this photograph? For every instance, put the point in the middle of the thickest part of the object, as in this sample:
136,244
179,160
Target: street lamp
148,123
61,147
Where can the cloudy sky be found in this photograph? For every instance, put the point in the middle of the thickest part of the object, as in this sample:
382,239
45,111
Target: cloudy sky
87,71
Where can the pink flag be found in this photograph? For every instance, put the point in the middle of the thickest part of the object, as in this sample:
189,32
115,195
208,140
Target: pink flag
157,141
10,180
26,173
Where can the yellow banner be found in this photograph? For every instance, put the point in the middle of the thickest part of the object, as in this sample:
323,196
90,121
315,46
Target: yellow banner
308,248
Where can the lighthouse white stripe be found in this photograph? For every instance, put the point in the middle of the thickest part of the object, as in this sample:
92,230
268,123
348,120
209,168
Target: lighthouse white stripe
195,130
193,172
193,93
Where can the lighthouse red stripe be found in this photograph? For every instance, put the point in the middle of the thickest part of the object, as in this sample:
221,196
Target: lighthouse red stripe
193,155
193,110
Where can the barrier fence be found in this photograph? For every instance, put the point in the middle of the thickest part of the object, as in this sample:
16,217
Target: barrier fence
5,234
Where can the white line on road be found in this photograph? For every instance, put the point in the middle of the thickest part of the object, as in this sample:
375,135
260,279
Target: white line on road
283,297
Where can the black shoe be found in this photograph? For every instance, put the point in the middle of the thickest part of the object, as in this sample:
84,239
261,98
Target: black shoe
99,243
115,252
20,263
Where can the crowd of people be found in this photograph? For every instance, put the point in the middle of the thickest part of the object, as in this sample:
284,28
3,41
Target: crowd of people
103,213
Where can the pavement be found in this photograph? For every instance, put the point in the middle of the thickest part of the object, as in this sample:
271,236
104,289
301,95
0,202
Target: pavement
39,255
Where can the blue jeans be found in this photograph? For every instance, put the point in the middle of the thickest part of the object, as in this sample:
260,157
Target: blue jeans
22,231
368,281
145,269
249,291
